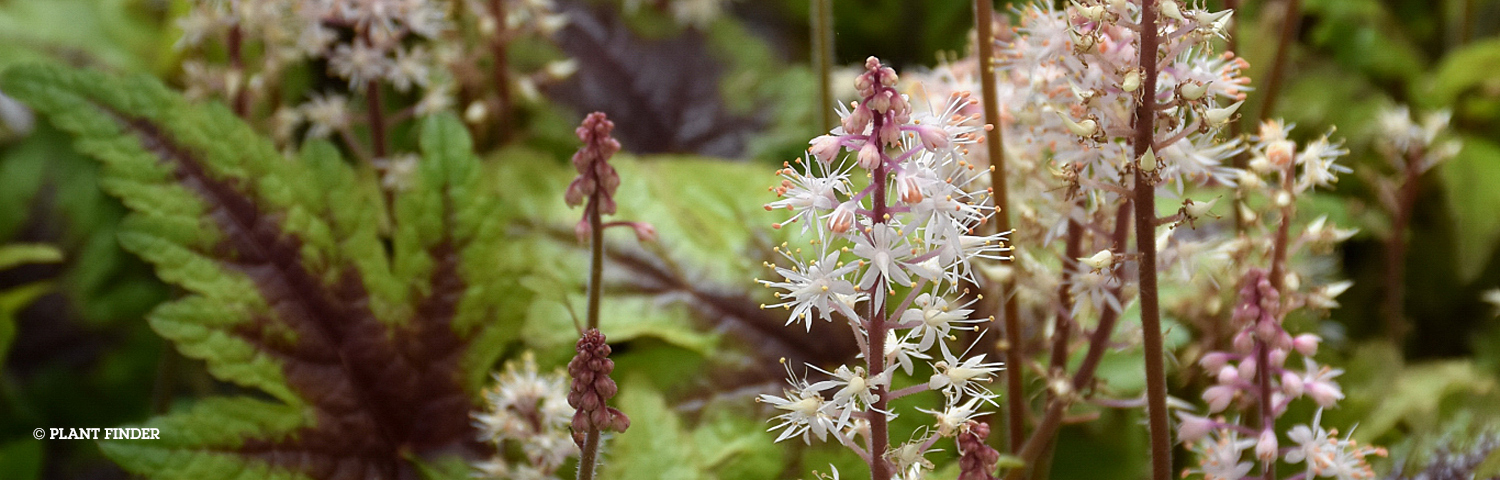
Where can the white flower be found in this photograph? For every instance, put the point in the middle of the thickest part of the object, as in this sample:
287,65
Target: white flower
955,416
932,319
884,249
1219,458
359,63
813,288
1328,456
955,376
327,114
807,194
805,412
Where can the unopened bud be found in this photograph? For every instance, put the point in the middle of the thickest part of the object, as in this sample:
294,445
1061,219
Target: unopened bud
1132,80
1193,428
1265,448
1199,209
1191,91
1148,160
1170,9
1220,116
824,148
1306,344
1085,128
1099,261
842,218
869,156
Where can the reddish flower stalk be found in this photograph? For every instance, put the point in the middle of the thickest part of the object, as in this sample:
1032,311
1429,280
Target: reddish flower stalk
1145,241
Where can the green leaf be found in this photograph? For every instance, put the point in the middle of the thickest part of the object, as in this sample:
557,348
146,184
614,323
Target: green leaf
21,460
11,303
1469,181
724,446
1469,67
367,363
21,253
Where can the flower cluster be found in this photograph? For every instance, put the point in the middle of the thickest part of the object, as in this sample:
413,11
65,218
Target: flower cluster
913,227
419,47
592,387
527,410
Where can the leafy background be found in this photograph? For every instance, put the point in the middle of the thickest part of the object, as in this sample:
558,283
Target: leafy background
705,114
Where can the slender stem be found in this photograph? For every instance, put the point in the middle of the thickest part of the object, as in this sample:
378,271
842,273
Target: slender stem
1236,129
498,71
1395,260
588,459
241,102
1062,330
1037,443
377,118
1263,387
1015,353
1283,232
1289,21
822,54
1145,242
596,263
879,429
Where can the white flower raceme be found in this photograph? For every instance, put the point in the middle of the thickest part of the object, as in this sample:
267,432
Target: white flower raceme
914,229
528,410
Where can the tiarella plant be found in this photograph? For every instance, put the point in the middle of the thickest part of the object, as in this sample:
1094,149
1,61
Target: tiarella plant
890,214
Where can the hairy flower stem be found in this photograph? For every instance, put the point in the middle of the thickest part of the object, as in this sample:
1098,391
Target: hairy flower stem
498,71
822,54
1045,430
880,440
1264,387
1283,232
1015,398
1145,242
1395,254
1289,21
588,456
1062,331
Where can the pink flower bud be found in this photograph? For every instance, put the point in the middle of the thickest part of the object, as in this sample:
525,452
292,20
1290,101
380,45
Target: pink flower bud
1324,393
582,230
881,101
1214,360
644,232
869,156
1265,449
824,148
842,218
1291,383
934,138
1266,330
1243,344
1280,152
856,121
1218,397
890,133
1247,368
1277,357
1228,375
908,189
1306,344
1193,428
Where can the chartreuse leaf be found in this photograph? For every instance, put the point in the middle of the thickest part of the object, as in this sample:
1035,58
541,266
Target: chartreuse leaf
658,446
22,253
1469,180
368,363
